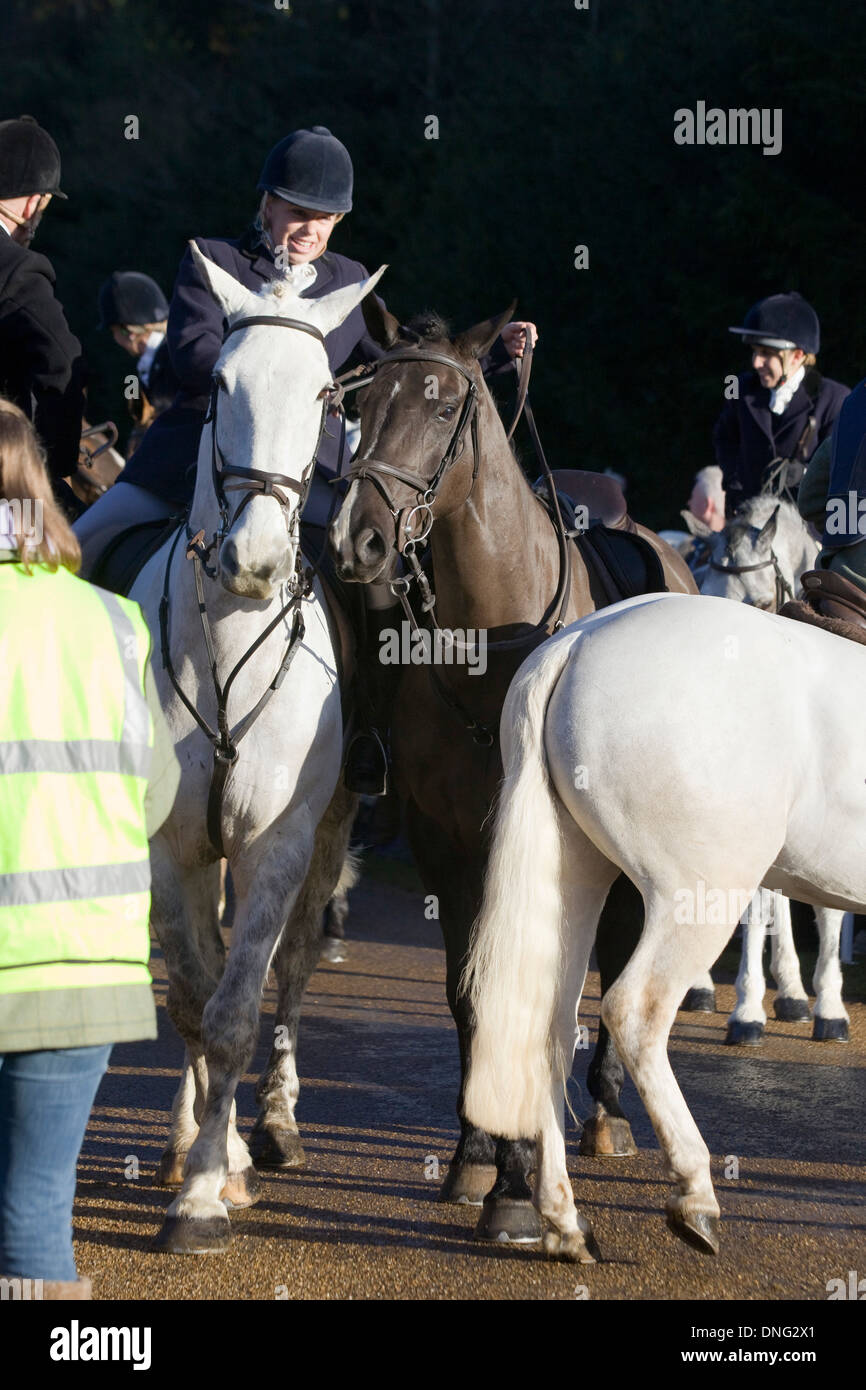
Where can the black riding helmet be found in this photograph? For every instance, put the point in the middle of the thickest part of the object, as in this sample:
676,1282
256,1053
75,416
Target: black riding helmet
29,160
128,297
311,169
782,321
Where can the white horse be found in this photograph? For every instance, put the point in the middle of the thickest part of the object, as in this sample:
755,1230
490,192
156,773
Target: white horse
285,816
759,559
628,741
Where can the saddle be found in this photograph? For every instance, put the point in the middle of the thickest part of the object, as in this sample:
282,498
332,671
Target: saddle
621,561
126,555
831,602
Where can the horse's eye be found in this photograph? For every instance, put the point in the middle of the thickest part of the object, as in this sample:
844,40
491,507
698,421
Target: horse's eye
447,412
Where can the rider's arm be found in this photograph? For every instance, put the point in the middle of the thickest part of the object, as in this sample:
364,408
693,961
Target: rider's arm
195,329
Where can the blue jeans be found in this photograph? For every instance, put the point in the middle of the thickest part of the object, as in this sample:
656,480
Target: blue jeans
45,1103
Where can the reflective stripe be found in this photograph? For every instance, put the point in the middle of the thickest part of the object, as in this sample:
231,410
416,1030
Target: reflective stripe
80,755
62,885
136,717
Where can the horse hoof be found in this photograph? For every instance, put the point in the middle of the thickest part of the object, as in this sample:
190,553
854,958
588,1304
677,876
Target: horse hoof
512,1220
577,1247
242,1189
607,1136
194,1235
792,1010
169,1171
742,1034
468,1183
276,1148
699,1001
830,1030
333,949
696,1228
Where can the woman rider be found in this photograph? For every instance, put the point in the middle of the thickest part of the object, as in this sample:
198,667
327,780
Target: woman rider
306,188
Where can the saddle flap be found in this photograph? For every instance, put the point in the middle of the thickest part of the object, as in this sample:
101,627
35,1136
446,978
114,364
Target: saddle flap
126,554
624,563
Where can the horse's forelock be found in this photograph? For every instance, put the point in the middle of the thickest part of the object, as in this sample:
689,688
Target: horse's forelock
430,327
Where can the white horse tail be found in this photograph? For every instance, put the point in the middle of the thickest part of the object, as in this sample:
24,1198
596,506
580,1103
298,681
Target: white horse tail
515,956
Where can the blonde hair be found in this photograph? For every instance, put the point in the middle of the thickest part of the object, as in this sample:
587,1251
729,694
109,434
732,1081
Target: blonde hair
24,480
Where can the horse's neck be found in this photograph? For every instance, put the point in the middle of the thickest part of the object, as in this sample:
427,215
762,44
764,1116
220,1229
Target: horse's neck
495,558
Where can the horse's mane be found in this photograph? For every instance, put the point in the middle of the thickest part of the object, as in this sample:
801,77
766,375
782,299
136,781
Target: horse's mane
756,510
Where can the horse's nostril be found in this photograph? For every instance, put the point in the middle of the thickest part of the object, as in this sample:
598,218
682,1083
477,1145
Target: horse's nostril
370,546
229,558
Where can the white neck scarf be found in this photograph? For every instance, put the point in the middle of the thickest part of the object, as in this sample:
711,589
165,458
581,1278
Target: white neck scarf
781,397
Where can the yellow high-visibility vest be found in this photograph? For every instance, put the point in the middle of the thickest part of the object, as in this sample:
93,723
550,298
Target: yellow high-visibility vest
76,739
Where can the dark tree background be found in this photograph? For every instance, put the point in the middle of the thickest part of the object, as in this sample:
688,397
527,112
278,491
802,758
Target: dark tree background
555,130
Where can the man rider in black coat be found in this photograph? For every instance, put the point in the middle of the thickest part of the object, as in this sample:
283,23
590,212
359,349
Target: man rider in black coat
41,364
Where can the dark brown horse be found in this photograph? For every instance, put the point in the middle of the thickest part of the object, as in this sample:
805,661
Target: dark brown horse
431,440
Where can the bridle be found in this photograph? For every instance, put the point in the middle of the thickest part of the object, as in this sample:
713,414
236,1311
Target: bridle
426,493
426,489
252,481
783,588
255,480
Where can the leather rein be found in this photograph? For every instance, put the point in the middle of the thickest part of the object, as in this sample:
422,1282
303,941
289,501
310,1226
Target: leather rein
406,541
224,738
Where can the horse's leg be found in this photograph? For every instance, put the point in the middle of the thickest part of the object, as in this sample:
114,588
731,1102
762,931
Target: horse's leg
607,1132
791,1004
831,1016
186,1112
183,913
337,910
267,888
275,1141
746,1023
570,1236
640,1010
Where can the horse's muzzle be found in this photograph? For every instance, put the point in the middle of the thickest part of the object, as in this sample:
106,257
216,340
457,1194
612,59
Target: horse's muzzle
362,557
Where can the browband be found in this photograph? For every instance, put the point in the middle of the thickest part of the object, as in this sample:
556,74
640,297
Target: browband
275,322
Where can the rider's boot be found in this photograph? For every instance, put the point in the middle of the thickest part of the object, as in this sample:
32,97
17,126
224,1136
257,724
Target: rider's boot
367,770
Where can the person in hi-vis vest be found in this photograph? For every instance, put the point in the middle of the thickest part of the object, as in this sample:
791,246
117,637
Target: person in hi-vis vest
87,774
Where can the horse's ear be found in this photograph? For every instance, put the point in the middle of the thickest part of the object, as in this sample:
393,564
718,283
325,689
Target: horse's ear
231,296
478,340
768,530
332,309
382,327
